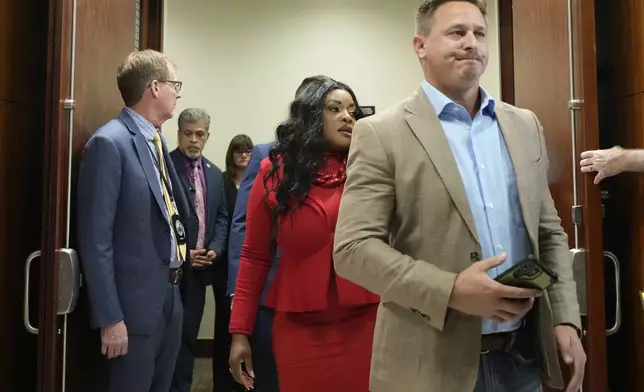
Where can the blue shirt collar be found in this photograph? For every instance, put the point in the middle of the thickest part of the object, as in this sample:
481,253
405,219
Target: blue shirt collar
440,101
146,127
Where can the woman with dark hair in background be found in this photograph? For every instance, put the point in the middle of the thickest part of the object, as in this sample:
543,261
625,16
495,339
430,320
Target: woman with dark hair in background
323,325
237,157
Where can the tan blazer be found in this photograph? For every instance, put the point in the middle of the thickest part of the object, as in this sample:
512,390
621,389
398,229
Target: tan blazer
405,230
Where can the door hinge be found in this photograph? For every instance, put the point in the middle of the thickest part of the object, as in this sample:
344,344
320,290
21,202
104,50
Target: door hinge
575,104
576,215
579,274
69,104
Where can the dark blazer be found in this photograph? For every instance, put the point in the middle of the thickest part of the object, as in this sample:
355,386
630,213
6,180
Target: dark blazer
123,235
216,236
230,193
238,225
230,190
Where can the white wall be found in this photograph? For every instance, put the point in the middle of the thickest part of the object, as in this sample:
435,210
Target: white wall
243,60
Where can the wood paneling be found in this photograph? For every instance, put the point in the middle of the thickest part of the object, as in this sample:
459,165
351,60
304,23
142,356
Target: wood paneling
95,90
542,84
622,48
22,28
541,78
152,24
23,50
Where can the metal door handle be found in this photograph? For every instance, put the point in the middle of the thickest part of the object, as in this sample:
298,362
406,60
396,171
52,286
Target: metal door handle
69,280
25,313
618,303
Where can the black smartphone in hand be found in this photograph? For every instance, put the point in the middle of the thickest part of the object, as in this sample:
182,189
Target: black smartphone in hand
529,273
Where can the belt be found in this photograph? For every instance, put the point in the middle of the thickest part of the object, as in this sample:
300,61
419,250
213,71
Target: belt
175,275
498,342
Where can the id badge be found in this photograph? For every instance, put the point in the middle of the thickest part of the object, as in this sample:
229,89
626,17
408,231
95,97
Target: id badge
179,230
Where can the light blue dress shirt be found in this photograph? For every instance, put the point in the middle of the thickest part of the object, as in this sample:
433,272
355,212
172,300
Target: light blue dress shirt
490,183
148,130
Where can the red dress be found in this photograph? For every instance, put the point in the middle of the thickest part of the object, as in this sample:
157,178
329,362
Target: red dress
323,325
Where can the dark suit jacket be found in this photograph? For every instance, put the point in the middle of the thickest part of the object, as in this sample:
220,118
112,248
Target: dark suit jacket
238,225
230,193
230,190
216,236
123,235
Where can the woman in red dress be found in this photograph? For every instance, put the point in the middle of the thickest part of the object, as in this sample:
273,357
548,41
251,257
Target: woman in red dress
323,324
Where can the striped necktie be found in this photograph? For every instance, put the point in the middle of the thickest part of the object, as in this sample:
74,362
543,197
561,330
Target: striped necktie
200,205
173,213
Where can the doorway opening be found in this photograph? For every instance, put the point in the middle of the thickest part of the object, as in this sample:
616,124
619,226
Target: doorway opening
23,73
547,47
621,110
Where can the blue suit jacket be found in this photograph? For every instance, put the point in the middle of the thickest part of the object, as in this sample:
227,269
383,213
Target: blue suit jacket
123,235
238,226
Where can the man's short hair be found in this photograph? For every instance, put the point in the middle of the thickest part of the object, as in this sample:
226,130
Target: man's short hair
429,7
193,116
138,70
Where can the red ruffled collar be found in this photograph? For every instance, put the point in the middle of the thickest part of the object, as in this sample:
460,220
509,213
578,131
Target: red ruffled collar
333,172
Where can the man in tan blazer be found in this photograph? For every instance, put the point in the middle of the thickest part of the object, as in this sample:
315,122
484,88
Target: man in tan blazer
446,190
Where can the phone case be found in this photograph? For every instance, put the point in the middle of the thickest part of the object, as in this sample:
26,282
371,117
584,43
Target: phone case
528,273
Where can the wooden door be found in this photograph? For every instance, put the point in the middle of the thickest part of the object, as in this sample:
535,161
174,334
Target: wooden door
23,58
620,56
87,39
549,67
105,35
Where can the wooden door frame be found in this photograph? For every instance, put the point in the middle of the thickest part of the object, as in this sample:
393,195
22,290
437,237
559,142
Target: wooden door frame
585,87
56,179
152,24
54,190
506,50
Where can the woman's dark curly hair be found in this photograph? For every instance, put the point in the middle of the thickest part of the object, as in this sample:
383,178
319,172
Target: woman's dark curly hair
300,146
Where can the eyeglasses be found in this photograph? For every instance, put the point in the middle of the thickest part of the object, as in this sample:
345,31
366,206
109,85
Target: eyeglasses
176,85
242,151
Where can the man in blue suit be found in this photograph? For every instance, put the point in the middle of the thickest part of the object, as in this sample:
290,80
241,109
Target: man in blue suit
132,241
263,359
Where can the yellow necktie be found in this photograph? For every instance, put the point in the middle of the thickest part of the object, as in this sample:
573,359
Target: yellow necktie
172,208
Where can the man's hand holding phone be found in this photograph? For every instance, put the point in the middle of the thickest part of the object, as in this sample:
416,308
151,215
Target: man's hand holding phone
477,294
